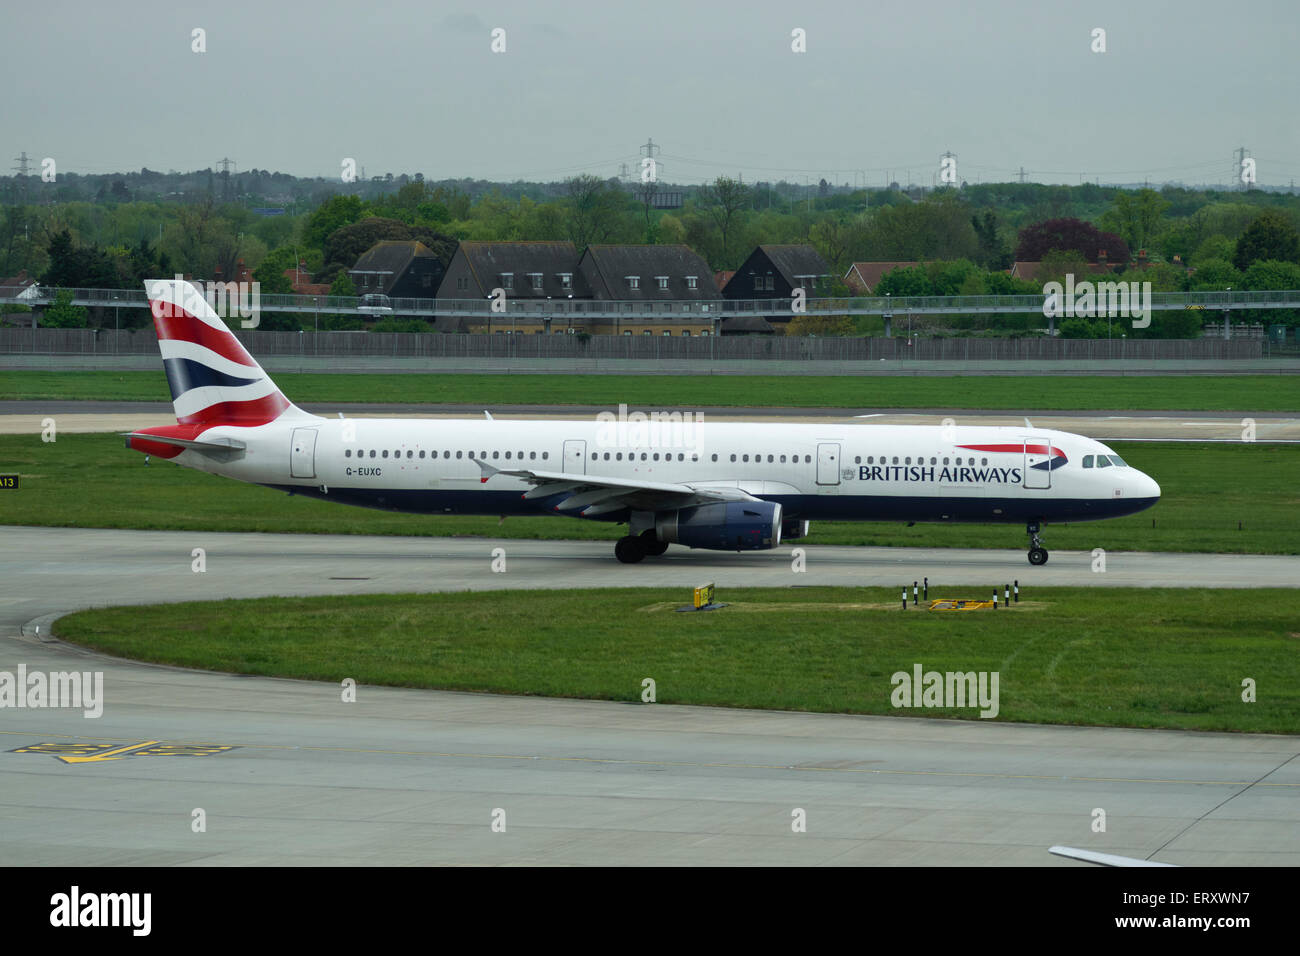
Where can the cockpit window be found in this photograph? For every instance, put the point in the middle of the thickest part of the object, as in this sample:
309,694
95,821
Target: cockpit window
1087,461
1119,461
1103,461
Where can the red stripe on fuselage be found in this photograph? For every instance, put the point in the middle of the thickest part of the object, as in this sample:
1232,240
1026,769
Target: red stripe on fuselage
177,324
1017,448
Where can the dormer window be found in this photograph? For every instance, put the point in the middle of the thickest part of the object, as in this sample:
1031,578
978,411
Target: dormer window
536,278
566,280
692,282
633,282
662,282
507,280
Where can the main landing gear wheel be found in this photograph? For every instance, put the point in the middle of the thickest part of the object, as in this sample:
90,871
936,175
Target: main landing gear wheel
629,549
1037,553
651,544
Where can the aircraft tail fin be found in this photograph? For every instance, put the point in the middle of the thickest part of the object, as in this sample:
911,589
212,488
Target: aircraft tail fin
213,379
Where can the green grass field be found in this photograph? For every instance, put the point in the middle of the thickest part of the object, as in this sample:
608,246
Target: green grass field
1255,393
1128,657
92,481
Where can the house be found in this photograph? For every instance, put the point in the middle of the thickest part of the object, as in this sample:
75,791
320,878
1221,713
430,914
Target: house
523,270
398,268
862,277
671,274
774,272
540,280
301,284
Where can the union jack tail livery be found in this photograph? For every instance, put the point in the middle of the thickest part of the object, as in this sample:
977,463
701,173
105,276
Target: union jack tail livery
213,380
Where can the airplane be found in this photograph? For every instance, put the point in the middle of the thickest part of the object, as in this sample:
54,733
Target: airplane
719,486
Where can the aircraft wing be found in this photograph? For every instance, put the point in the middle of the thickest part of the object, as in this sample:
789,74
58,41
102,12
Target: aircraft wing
591,495
1102,859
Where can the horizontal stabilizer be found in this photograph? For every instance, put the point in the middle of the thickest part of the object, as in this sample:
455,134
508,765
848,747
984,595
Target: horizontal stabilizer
222,449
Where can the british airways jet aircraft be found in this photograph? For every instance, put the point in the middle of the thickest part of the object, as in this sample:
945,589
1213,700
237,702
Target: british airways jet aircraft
726,487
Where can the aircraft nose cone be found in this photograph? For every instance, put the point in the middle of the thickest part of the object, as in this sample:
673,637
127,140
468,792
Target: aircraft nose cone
1149,487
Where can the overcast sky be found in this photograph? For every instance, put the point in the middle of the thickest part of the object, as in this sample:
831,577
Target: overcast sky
883,90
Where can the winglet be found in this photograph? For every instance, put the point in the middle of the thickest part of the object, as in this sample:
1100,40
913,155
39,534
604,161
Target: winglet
489,415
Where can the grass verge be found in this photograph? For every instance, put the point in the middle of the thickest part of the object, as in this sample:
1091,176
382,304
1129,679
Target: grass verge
1257,393
1126,658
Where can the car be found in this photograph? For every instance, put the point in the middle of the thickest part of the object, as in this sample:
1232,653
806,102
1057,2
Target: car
375,304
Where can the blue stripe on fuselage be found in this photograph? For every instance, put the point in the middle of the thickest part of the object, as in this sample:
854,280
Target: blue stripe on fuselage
811,507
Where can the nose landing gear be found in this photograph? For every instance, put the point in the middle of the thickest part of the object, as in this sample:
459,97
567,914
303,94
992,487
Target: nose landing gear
1037,553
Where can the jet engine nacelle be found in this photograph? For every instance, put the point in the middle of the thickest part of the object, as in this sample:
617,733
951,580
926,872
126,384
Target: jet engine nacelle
728,526
794,528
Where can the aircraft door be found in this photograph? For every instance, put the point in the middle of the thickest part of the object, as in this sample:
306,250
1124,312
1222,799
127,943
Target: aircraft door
302,453
828,463
575,456
1038,463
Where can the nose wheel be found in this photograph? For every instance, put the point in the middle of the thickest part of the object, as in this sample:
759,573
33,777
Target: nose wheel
1037,553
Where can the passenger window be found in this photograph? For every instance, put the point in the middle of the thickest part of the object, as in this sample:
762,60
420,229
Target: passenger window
458,454
1087,461
385,452
447,454
607,456
714,458
984,461
733,457
545,455
435,454
532,456
770,459
372,453
619,456
934,461
807,459
656,456
907,460
411,454
496,454
895,459
745,458
783,459
643,456
348,453
945,460
857,459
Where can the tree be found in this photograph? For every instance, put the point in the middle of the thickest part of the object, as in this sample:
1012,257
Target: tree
938,228
1214,275
335,213
1037,240
593,209
1271,236
1135,216
343,285
63,314
724,201
993,251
